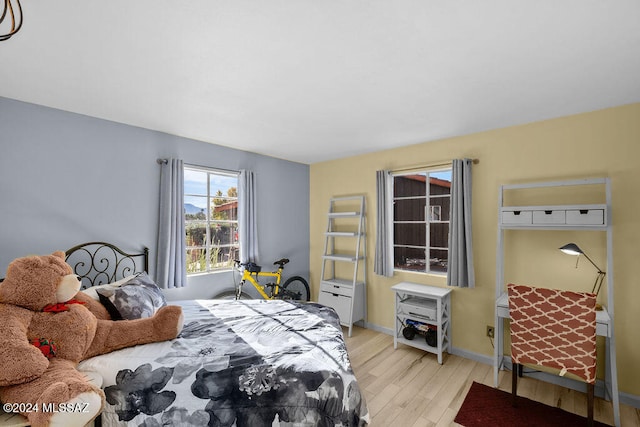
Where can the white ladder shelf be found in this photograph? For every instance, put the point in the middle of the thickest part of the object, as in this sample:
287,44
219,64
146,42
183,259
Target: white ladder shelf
343,287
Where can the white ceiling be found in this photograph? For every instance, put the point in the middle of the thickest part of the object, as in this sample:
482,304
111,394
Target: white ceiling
314,80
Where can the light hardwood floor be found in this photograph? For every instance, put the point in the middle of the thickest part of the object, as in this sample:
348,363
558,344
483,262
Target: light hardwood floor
407,387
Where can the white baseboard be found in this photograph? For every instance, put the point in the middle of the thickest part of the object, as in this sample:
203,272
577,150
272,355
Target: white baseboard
626,398
377,328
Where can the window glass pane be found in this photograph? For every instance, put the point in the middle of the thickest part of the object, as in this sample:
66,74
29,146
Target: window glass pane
223,257
409,185
410,234
218,257
224,208
195,207
196,260
439,234
409,259
196,232
195,182
444,175
233,254
221,234
223,185
439,208
409,209
439,186
234,234
438,261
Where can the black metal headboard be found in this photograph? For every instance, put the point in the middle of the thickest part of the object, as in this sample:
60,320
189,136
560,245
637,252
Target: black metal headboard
99,262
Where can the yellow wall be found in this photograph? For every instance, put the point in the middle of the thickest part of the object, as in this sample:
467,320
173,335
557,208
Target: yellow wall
597,144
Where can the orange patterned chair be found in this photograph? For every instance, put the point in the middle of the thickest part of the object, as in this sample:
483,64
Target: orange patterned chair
554,331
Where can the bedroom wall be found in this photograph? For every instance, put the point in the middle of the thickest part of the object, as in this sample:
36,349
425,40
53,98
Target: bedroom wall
597,144
67,179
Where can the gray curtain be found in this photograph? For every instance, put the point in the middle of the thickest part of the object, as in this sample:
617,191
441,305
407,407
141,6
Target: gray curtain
247,221
460,270
171,260
383,263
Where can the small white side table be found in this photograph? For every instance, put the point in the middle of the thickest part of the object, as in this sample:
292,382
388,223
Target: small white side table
425,304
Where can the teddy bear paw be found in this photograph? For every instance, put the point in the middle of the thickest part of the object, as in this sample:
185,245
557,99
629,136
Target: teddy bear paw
78,411
168,322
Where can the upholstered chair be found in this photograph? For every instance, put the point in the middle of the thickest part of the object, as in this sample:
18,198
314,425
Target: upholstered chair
554,331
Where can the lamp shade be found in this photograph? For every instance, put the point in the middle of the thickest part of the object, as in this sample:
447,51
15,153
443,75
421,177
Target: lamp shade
571,249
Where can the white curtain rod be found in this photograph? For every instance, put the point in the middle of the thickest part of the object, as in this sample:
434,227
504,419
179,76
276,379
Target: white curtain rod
210,168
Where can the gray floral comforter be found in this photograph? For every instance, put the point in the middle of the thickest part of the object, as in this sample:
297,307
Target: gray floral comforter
236,363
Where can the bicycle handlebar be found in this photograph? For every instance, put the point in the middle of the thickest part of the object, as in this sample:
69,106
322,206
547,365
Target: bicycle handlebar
281,262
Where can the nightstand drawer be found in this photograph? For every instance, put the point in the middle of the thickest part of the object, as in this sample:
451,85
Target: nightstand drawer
336,288
340,303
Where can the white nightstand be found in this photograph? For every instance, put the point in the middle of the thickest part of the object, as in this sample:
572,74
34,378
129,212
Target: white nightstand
429,305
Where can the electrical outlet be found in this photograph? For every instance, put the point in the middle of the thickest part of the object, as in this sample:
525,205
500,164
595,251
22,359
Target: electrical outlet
490,331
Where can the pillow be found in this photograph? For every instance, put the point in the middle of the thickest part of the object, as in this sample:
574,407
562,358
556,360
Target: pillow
137,298
93,290
114,314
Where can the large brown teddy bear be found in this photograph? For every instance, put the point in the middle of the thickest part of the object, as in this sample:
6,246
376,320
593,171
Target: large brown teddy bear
40,304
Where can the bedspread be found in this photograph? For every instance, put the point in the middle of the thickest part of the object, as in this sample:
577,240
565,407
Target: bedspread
237,363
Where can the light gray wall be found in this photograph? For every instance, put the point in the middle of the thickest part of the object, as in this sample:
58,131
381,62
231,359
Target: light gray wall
67,179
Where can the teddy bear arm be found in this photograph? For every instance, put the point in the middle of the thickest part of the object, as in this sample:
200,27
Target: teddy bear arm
111,335
27,361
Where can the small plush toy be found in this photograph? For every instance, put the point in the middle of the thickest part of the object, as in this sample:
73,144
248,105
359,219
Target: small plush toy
47,328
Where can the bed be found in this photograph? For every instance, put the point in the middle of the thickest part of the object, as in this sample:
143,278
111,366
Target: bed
236,363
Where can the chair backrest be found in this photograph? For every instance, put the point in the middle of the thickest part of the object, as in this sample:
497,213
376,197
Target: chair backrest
554,328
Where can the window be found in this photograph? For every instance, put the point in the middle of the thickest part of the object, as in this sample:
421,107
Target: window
421,203
211,219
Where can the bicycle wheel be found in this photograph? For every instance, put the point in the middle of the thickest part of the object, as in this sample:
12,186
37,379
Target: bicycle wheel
295,288
231,294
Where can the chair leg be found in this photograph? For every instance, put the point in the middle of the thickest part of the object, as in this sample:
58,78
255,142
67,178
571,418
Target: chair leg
520,369
514,384
590,398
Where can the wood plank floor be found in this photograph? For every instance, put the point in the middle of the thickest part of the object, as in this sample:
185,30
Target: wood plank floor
407,387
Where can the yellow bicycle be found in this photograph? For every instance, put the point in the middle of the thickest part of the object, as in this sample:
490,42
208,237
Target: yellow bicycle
294,288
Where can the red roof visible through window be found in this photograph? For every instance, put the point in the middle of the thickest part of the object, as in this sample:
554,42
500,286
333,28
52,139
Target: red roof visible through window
433,181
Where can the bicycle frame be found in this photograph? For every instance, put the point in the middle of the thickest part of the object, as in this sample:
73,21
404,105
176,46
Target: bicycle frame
248,276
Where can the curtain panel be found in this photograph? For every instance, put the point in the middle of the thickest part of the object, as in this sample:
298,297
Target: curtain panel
460,271
247,217
171,259
383,262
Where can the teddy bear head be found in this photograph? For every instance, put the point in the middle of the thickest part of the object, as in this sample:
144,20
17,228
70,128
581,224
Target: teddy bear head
35,282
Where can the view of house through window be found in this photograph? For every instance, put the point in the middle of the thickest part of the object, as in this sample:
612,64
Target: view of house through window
211,219
421,203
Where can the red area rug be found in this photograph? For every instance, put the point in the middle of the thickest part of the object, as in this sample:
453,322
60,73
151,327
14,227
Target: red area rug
487,406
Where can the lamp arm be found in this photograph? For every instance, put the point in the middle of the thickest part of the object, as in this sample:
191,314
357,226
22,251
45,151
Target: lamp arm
593,263
598,283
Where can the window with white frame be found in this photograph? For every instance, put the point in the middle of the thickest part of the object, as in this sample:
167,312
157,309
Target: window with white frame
421,201
211,219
